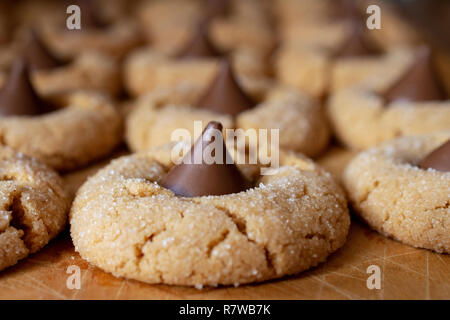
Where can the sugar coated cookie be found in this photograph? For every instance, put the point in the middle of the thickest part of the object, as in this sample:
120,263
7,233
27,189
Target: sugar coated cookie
416,103
33,204
144,218
84,127
401,196
300,120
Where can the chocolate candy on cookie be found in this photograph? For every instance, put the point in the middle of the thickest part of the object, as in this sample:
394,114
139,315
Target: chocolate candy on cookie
55,76
207,223
82,128
37,54
200,45
193,68
18,97
327,54
412,103
186,43
301,123
243,24
169,25
224,95
202,179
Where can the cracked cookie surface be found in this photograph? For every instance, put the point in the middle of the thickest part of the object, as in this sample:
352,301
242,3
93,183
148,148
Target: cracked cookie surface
33,206
397,198
125,223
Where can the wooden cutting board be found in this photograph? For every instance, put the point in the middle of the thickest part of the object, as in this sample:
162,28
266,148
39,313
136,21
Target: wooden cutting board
406,272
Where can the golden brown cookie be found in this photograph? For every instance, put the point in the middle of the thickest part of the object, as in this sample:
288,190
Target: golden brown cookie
33,204
87,71
316,71
291,13
335,50
169,25
396,197
124,222
85,128
53,76
361,119
146,70
247,25
336,159
416,102
156,116
115,38
299,20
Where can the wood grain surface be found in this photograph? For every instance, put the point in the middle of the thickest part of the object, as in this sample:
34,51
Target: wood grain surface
406,272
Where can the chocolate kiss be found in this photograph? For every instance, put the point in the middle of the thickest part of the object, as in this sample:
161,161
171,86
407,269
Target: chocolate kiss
419,83
202,179
200,46
356,45
37,55
225,95
17,96
438,159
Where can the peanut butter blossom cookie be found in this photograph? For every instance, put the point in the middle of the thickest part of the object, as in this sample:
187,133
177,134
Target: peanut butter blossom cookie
402,188
414,104
55,77
334,51
201,223
169,25
301,122
80,129
33,204
194,65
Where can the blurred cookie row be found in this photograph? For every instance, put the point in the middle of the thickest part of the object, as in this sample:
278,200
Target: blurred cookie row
308,68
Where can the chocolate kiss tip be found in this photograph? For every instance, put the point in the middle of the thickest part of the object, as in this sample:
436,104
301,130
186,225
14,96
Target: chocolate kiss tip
419,83
224,95
438,159
17,96
202,179
37,54
200,46
213,125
